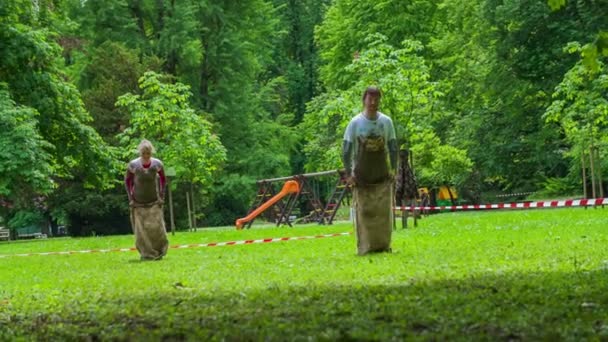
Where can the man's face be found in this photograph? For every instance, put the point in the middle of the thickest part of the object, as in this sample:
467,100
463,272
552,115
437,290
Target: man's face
371,102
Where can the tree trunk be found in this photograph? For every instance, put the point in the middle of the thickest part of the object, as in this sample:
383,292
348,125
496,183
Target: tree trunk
193,207
54,226
451,195
599,172
137,12
45,228
188,205
584,175
205,76
160,18
171,218
592,170
171,63
412,161
51,224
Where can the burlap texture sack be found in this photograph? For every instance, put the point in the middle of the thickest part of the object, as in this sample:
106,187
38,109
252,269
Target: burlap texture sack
148,225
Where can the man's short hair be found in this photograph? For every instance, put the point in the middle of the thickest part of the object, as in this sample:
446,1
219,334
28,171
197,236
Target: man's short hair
372,90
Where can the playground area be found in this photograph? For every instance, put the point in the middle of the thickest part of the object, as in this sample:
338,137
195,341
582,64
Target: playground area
318,197
498,275
319,170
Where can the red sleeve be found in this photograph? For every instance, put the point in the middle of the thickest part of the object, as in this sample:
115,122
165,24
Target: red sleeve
163,180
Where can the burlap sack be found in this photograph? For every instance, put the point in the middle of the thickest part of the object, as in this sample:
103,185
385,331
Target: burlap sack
373,196
374,216
148,225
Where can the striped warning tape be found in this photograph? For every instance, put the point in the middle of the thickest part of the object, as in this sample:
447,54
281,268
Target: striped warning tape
520,205
194,245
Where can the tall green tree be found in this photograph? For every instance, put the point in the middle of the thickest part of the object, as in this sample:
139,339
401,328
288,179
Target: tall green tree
296,59
243,100
599,46
580,107
295,55
112,20
25,161
184,139
31,66
111,71
348,22
501,61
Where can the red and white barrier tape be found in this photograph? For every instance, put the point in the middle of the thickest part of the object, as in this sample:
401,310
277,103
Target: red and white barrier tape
194,245
521,205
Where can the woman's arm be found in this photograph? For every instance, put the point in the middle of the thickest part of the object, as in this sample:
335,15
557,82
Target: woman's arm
129,184
162,181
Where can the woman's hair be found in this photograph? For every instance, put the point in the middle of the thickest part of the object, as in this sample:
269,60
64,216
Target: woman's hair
145,146
371,90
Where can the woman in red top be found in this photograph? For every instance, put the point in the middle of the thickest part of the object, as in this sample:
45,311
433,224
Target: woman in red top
145,183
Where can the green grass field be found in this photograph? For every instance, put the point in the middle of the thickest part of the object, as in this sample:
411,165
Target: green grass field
509,275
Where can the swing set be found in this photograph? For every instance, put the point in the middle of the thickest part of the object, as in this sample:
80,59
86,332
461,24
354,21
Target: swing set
299,194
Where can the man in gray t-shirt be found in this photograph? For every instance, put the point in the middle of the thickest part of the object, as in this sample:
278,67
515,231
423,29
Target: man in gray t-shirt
369,145
372,131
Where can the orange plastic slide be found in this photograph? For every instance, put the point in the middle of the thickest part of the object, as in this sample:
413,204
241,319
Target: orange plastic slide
289,187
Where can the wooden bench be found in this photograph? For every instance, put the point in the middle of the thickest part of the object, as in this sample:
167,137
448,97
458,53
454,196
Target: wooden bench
30,232
32,236
5,234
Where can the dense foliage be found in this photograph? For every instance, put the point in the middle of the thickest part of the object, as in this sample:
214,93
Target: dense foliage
490,96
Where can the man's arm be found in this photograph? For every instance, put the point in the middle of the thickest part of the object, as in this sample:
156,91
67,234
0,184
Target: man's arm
347,160
347,148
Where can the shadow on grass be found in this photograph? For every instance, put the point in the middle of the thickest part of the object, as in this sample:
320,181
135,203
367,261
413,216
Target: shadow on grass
541,306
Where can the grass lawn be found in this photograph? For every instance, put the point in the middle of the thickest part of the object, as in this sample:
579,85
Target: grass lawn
536,274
